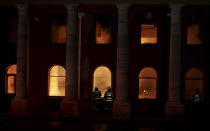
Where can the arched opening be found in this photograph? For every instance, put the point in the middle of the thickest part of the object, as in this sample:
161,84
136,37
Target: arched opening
102,79
194,79
11,79
56,81
147,83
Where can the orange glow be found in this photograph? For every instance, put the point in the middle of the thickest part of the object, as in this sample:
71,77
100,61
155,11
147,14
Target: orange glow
194,79
11,84
148,34
192,35
11,76
103,36
12,69
58,33
147,83
56,81
102,79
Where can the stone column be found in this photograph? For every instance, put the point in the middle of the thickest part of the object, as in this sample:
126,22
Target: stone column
70,103
173,105
121,107
19,103
80,15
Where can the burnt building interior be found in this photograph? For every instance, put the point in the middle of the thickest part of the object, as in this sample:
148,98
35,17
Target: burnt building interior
154,56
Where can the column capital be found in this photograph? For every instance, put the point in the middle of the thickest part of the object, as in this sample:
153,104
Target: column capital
176,10
176,5
81,15
72,5
22,6
123,5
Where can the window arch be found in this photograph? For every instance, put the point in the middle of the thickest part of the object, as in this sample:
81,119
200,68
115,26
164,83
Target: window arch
11,79
194,79
147,83
102,79
56,81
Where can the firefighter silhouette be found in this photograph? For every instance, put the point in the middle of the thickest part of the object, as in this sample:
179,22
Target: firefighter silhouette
196,96
108,99
96,99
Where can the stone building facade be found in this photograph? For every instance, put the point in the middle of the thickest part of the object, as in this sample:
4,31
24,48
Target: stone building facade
175,55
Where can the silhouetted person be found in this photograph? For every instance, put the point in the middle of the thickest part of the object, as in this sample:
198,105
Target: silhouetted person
196,96
97,99
109,99
197,105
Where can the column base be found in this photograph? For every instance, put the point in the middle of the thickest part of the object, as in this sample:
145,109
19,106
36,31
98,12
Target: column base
19,107
174,108
69,108
121,110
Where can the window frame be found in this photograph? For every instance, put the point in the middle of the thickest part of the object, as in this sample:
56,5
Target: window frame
48,86
142,20
186,36
56,16
140,31
152,78
111,77
111,28
188,13
6,83
6,80
187,78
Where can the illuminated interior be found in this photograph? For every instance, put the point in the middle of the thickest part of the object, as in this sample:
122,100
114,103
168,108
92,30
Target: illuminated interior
147,83
192,35
148,34
58,33
56,80
103,35
11,77
194,79
102,79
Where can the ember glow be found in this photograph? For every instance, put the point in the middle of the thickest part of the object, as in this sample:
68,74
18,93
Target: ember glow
11,77
148,34
103,35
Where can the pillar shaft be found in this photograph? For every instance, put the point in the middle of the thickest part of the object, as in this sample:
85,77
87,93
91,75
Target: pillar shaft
21,52
174,105
69,105
121,108
19,105
122,54
80,15
72,53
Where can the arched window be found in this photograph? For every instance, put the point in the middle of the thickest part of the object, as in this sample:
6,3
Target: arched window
147,83
11,79
56,81
194,79
102,79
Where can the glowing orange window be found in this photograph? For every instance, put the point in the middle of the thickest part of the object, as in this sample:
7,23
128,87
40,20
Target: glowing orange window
147,83
58,29
56,81
192,35
11,79
194,79
103,29
102,79
148,34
